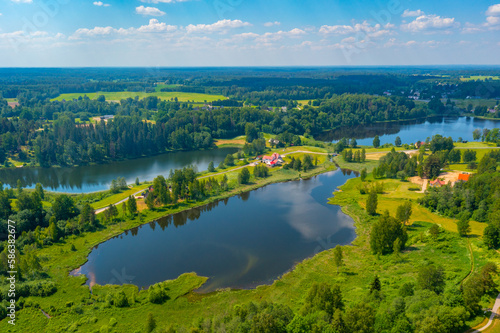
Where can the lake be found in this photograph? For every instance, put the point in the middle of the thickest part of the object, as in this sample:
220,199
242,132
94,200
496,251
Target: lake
412,131
239,242
93,178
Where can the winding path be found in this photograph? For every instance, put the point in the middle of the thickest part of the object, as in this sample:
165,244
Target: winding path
494,313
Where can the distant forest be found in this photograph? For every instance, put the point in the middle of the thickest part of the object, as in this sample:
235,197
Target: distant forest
39,131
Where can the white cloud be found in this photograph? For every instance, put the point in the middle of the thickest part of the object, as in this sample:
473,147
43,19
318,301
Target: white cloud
222,26
270,24
101,4
149,11
493,10
22,1
155,26
363,31
492,22
409,13
430,23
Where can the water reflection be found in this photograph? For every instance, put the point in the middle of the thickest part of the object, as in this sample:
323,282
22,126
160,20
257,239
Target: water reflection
411,131
238,242
98,177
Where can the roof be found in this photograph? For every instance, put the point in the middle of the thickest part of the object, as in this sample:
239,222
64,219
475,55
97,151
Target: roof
437,182
266,158
464,176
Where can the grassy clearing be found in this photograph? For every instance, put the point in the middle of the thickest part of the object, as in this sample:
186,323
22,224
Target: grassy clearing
368,164
479,78
463,103
117,96
114,198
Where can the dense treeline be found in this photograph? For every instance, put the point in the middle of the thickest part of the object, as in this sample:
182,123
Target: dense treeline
476,199
177,127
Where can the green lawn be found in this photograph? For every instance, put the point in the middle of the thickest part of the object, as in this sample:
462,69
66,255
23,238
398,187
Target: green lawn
117,96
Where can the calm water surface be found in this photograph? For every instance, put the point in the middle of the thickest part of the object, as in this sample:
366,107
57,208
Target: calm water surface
239,242
412,131
98,177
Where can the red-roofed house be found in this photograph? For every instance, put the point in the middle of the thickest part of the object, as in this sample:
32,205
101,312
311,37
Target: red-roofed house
437,183
273,160
463,177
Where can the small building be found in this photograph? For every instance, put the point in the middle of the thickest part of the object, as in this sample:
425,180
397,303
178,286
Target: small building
274,142
107,117
418,144
273,160
437,183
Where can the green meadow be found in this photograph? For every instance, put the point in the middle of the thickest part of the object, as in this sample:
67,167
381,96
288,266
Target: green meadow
117,96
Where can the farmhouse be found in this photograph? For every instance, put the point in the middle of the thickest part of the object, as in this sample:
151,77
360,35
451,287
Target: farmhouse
437,183
273,160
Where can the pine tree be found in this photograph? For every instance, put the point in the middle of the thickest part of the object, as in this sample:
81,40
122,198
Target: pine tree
150,323
371,203
132,205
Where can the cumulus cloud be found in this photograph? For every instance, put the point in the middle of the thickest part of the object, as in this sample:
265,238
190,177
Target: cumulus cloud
493,10
362,30
222,26
492,22
410,13
154,26
431,23
270,24
149,11
101,4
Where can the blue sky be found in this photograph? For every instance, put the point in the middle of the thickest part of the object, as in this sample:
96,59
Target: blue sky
53,33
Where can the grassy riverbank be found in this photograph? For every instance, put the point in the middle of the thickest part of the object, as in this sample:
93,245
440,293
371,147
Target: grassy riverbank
74,308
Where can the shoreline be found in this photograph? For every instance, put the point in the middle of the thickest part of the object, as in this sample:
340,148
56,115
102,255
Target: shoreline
163,213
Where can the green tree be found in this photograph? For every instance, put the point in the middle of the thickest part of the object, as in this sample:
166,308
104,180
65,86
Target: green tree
132,205
376,141
150,202
229,160
353,143
120,300
338,257
403,212
64,207
244,176
322,297
431,277
211,167
384,233
463,227
40,191
375,285
469,155
397,142
251,132
137,182
54,231
150,323
476,134
363,174
363,155
360,318
307,164
371,203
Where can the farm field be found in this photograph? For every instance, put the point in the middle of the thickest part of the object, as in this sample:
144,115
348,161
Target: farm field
117,96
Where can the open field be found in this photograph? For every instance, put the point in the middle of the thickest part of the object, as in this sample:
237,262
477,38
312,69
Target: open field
117,96
462,103
479,78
